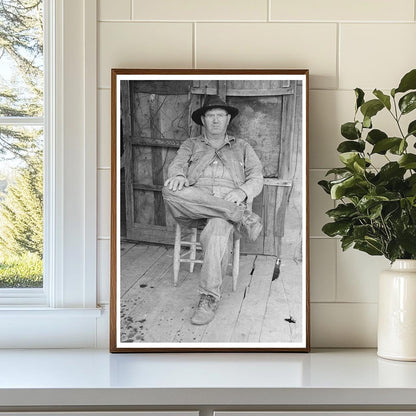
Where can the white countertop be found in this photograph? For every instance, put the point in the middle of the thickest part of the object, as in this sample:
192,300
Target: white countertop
96,377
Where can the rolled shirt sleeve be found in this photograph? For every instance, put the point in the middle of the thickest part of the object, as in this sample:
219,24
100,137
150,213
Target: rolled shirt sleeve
179,165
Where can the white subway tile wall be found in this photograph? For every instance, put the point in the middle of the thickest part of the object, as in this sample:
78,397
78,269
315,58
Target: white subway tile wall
367,50
200,10
142,45
114,10
103,270
270,45
357,275
328,109
355,10
323,269
345,44
344,325
104,202
104,128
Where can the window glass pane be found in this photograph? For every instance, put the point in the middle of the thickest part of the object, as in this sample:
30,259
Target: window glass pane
21,209
21,58
21,146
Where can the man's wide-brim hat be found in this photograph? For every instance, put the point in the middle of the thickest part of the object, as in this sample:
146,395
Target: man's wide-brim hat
211,102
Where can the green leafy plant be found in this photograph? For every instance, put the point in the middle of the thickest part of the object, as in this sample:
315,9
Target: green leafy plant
376,210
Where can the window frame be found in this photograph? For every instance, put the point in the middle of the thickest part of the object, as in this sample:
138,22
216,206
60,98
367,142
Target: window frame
70,207
38,296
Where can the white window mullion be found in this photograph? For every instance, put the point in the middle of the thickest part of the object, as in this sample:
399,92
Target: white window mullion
49,158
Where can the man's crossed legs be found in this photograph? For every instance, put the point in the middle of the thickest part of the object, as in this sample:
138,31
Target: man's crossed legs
197,203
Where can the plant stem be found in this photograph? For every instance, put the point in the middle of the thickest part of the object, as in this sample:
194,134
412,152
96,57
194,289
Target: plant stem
397,118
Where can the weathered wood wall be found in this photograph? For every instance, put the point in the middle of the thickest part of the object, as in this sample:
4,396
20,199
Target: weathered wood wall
155,119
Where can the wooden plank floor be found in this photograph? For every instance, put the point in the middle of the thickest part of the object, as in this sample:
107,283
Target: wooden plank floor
262,309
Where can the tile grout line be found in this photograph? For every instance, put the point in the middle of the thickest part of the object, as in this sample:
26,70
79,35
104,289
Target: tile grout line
336,272
269,11
338,63
131,9
323,237
254,21
194,62
355,302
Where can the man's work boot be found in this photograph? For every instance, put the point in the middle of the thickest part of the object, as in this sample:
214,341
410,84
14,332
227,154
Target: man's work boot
251,225
205,311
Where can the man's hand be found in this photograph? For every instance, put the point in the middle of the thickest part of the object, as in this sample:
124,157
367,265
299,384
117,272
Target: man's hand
176,183
236,195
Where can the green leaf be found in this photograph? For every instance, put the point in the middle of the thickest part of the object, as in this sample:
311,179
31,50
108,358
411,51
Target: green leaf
371,108
333,229
411,183
393,250
400,148
325,186
346,186
338,171
411,130
348,158
342,211
408,82
411,180
407,240
359,166
369,201
350,146
368,248
374,242
359,95
385,99
391,170
383,145
375,136
367,122
349,131
346,242
361,231
338,189
412,202
408,161
408,102
354,161
375,211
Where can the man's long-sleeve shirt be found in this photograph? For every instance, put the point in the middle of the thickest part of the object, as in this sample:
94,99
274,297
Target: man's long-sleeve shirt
238,157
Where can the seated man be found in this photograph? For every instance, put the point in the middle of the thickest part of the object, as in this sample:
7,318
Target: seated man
212,178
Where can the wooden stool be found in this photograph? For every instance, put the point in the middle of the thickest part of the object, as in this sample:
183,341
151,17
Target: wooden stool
195,245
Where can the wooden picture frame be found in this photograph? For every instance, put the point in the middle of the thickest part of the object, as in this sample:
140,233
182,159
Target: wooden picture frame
151,112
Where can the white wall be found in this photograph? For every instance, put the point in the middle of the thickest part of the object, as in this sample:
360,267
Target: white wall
345,44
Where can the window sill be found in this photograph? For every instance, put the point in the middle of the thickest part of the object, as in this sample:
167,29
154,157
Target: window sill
36,312
39,327
22,297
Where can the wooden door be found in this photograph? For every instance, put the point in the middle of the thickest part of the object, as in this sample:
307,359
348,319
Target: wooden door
156,119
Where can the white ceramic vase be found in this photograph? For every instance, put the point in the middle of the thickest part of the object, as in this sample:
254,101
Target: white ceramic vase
397,312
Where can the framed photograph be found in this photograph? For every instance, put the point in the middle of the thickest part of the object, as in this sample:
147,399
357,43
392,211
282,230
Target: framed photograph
209,211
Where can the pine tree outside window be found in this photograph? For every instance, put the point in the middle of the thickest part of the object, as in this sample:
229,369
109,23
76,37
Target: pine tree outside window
22,128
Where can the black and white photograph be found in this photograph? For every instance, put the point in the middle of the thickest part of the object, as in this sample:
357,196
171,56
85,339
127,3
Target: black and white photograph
209,214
